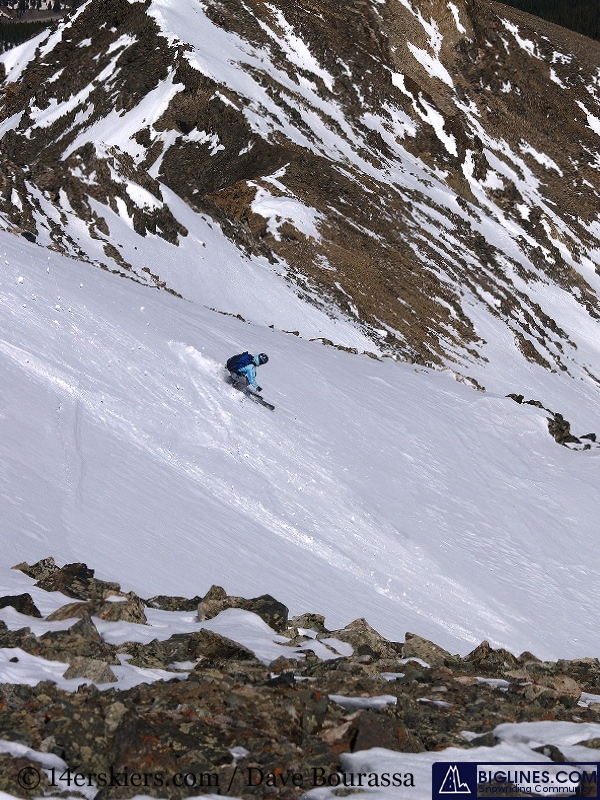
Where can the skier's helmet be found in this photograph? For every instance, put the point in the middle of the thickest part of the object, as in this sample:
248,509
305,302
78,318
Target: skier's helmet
263,358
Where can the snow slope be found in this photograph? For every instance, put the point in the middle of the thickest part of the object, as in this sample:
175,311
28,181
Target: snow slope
374,489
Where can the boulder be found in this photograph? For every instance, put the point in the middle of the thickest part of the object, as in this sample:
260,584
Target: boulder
274,613
310,622
568,691
552,752
81,639
486,658
40,570
127,608
90,668
21,777
282,664
485,740
71,611
560,430
594,744
384,729
366,640
160,654
21,603
528,658
72,580
417,647
215,601
22,638
77,581
549,690
215,593
167,603
339,737
113,715
215,649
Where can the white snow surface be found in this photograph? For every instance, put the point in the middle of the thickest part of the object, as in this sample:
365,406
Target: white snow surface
517,741
374,490
239,285
241,626
278,210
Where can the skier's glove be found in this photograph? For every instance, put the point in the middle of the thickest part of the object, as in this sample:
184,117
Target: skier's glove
259,388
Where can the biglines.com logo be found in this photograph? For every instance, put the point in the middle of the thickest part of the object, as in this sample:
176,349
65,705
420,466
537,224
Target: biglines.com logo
459,780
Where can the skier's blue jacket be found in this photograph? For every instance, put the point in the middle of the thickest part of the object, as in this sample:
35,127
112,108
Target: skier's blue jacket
249,371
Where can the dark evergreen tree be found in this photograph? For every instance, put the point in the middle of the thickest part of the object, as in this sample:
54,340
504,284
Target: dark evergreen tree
582,16
14,33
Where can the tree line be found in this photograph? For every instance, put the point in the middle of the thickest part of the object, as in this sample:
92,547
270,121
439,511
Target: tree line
581,16
12,34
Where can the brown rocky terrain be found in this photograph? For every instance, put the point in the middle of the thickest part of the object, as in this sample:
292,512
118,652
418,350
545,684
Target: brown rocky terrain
447,153
224,715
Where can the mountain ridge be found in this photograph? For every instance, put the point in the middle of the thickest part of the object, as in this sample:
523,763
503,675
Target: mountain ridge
416,204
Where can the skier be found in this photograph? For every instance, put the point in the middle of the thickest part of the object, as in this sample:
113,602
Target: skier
242,368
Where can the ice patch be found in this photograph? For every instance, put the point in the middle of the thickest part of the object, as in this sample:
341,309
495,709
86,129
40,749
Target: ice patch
10,123
142,197
525,44
202,137
118,130
295,49
436,120
380,701
554,77
593,122
16,59
123,41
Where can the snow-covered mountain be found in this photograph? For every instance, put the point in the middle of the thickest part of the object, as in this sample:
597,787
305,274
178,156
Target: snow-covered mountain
409,179
429,167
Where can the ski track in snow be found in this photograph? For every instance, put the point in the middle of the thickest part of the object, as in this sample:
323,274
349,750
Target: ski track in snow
373,490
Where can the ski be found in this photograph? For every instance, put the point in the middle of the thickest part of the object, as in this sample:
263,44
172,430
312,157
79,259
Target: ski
258,399
252,395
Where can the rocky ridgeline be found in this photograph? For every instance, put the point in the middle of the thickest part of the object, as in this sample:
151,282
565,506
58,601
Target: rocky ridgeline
445,151
281,714
560,428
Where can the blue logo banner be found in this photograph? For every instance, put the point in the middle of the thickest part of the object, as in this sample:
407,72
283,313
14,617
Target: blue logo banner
459,780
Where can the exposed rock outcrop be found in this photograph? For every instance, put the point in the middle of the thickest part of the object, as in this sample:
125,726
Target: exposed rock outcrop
274,613
297,713
457,143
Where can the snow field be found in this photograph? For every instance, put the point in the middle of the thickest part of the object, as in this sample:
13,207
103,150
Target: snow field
373,490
